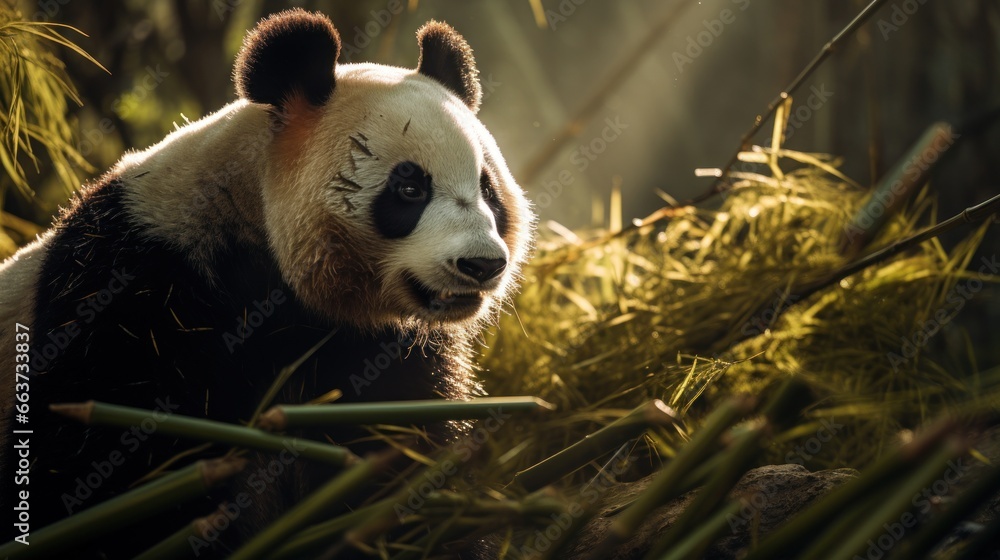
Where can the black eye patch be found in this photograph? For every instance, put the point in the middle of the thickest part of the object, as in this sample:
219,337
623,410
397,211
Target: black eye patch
397,209
495,202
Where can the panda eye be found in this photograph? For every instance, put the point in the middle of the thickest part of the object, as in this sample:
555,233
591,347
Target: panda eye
412,192
485,186
410,183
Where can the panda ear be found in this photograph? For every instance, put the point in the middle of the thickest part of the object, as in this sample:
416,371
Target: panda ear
291,52
446,57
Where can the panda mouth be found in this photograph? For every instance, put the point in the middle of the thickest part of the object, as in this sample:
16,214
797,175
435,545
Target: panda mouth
449,302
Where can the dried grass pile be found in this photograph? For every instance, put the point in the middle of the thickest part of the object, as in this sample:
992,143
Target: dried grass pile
688,310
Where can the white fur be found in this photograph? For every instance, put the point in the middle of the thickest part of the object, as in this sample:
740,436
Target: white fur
444,137
219,173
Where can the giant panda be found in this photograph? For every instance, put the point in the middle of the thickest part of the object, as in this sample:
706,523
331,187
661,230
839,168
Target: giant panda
361,200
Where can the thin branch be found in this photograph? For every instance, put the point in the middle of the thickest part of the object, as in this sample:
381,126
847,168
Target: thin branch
825,52
970,215
611,83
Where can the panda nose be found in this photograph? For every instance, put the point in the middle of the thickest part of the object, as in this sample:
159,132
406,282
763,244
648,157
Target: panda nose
481,269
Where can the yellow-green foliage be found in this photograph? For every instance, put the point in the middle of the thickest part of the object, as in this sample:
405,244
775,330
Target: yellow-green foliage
684,310
34,90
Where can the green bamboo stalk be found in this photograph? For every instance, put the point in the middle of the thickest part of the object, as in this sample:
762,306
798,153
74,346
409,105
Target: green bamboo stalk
313,506
114,515
782,408
705,532
533,505
449,530
970,215
740,457
847,537
283,377
664,487
178,545
307,543
199,429
802,529
461,519
285,417
643,417
379,520
802,293
386,514
894,189
699,476
971,499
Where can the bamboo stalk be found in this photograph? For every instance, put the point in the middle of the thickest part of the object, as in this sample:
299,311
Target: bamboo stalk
58,539
697,477
826,51
709,498
199,429
802,529
972,214
283,376
399,412
307,543
645,416
316,504
533,505
386,514
698,540
896,187
847,536
971,499
179,545
785,405
664,487
461,524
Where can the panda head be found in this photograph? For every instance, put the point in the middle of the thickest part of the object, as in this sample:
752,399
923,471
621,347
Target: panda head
386,201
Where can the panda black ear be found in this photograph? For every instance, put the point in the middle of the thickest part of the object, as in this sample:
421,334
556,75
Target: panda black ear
446,57
291,52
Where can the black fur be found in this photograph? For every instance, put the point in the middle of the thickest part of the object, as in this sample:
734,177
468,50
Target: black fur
394,215
495,201
291,52
446,57
161,339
